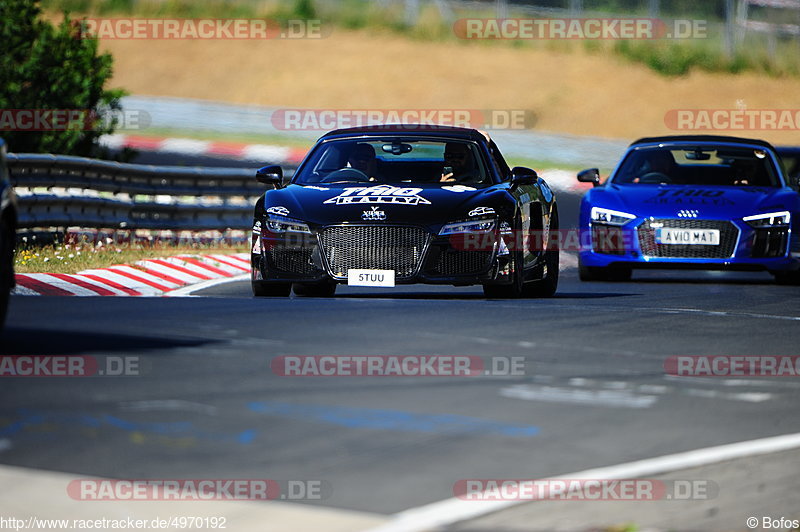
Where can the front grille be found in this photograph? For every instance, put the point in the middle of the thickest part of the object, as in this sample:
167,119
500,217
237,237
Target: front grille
728,233
372,247
455,262
296,261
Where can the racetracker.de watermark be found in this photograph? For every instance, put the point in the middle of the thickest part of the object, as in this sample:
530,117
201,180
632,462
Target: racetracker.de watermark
201,29
572,240
397,366
328,119
579,28
73,119
194,489
733,119
732,366
510,489
70,366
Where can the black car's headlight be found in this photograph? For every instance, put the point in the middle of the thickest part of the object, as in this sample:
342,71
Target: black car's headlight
282,224
607,216
483,225
769,220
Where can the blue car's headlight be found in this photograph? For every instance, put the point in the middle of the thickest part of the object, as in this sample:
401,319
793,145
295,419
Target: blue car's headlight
607,216
484,225
770,219
282,224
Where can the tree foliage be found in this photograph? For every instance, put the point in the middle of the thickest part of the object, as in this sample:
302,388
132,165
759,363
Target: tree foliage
44,66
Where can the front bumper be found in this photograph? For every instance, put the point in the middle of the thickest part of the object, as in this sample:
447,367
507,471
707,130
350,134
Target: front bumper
413,252
741,247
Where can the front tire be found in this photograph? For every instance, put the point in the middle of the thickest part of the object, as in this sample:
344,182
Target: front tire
787,278
265,289
549,284
613,274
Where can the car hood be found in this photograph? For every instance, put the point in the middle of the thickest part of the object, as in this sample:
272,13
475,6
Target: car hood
699,201
422,204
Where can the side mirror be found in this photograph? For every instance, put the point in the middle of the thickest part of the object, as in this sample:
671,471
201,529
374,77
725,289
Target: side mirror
270,175
592,175
521,175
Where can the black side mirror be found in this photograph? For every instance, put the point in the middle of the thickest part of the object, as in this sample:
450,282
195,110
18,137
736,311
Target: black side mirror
270,175
592,175
521,175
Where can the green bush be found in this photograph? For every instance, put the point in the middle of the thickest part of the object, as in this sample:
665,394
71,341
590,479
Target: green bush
52,67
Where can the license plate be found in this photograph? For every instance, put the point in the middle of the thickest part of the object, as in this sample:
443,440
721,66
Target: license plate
699,237
370,278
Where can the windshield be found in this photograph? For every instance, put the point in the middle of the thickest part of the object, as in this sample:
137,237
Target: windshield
698,165
395,160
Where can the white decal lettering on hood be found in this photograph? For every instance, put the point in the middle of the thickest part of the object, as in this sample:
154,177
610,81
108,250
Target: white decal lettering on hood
379,194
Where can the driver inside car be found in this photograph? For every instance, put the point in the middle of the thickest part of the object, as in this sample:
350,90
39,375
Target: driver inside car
459,163
362,158
659,164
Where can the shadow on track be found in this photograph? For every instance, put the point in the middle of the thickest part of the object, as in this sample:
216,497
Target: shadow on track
24,341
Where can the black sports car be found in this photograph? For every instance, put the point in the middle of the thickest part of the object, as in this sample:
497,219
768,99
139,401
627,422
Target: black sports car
387,205
8,223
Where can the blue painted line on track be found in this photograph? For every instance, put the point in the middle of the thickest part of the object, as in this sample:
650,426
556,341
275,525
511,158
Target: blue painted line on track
396,420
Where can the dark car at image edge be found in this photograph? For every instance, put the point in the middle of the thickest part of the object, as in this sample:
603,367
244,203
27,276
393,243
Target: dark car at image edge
8,223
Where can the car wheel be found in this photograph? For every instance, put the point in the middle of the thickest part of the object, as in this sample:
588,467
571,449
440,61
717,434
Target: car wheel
266,289
549,284
615,274
323,289
6,270
787,278
517,287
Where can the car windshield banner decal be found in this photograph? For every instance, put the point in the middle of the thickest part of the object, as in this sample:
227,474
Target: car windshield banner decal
379,194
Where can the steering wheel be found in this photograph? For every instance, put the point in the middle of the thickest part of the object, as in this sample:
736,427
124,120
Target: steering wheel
655,177
346,174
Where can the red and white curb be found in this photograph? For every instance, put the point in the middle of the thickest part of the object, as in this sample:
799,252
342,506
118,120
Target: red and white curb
564,181
151,277
263,153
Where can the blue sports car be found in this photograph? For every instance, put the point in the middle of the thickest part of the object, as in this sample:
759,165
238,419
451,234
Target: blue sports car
692,202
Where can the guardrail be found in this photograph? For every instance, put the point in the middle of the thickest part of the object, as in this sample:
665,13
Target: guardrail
65,191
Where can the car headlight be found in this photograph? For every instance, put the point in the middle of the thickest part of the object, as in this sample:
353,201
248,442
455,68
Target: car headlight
607,216
282,224
770,219
484,225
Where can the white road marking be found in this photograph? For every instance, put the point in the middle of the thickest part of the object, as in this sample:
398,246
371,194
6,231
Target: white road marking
449,511
580,382
169,405
554,394
653,388
187,291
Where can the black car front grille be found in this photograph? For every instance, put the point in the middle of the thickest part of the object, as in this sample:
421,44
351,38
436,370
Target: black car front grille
373,247
457,262
297,261
728,234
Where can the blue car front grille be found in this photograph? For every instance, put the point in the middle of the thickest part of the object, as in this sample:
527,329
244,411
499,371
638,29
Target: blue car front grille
728,235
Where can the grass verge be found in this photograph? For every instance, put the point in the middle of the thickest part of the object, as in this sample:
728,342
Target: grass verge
72,258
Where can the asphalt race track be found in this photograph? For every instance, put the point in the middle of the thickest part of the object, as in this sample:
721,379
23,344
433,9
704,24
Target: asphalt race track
207,404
